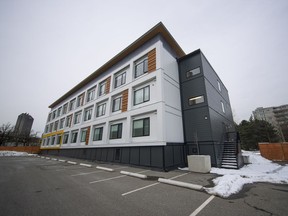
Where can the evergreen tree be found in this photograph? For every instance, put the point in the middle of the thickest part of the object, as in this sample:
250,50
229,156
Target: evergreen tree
254,131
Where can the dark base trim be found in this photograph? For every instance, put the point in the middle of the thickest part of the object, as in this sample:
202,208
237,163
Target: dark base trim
166,157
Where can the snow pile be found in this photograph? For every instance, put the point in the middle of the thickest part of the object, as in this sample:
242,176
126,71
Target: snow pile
12,153
260,170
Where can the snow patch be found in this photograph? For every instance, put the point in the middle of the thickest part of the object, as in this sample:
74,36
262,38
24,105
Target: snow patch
12,153
260,170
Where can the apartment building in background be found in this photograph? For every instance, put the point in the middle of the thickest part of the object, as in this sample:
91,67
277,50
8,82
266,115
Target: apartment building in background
23,125
150,105
276,116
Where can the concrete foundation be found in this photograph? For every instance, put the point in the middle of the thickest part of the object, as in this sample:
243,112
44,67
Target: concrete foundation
199,163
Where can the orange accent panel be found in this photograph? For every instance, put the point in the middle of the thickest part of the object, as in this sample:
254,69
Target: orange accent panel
108,83
125,100
152,60
87,135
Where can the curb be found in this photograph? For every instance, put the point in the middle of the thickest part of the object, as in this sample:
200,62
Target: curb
86,165
137,175
181,184
48,158
54,159
71,162
104,168
61,160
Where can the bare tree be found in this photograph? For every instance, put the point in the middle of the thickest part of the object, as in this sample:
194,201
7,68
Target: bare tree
6,131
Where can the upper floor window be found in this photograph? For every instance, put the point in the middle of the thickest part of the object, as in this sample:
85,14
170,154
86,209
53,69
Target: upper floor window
196,100
46,128
91,94
193,72
141,67
65,107
49,117
54,114
141,127
80,100
68,121
101,109
141,95
56,125
72,104
223,107
58,139
120,79
116,131
50,127
219,85
77,118
53,140
88,113
102,88
59,111
61,125
117,104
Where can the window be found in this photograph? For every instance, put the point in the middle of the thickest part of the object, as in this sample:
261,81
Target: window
120,79
66,136
46,128
72,104
196,100
80,100
117,103
58,140
102,88
49,117
223,108
74,135
88,113
48,141
68,121
56,125
116,131
141,67
142,95
53,140
54,114
83,135
141,127
43,142
77,118
193,72
97,134
101,110
51,127
219,85
65,108
61,123
91,94
59,111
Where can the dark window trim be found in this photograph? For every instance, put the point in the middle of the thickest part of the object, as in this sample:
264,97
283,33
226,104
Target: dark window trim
100,133
143,61
120,104
134,102
119,131
147,120
123,80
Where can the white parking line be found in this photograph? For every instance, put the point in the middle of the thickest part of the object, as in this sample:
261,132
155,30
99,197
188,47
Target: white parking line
124,194
88,173
202,206
121,176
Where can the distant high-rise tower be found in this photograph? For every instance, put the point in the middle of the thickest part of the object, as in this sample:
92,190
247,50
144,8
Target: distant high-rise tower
24,124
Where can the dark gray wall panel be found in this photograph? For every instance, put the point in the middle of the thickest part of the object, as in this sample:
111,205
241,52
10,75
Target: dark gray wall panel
157,156
98,154
134,155
110,154
169,160
125,155
145,156
104,154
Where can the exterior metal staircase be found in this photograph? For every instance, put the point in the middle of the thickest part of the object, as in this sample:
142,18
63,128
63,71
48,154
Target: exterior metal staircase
229,157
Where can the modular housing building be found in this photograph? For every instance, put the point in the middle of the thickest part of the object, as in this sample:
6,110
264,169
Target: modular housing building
150,105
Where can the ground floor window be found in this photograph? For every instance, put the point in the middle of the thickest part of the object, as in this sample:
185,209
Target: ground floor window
74,136
83,135
141,127
116,131
65,139
98,133
58,139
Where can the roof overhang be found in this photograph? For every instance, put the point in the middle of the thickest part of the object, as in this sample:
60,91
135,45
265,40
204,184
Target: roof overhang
156,30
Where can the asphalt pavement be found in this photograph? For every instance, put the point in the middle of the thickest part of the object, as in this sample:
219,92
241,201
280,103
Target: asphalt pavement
39,186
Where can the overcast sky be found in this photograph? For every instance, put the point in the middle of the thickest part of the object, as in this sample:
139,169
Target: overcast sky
47,47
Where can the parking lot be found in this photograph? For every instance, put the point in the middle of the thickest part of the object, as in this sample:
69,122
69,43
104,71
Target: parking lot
47,186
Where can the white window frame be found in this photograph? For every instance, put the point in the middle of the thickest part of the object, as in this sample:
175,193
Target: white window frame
85,113
196,100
